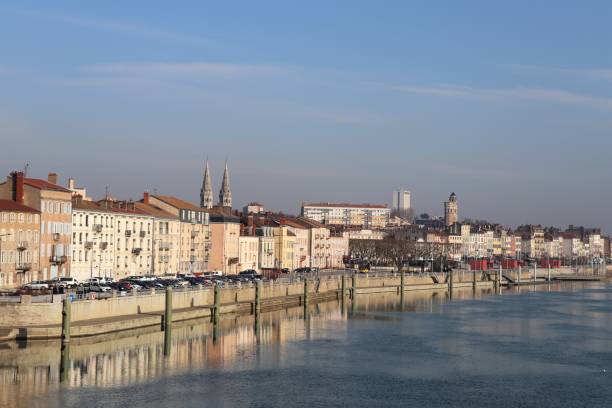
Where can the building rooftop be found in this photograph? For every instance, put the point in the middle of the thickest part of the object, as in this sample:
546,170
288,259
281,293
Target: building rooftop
345,205
79,204
13,206
178,203
44,185
154,211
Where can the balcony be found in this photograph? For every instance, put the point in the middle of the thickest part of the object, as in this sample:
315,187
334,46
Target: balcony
136,251
22,246
23,267
58,260
103,245
165,245
128,233
56,237
143,234
89,245
98,228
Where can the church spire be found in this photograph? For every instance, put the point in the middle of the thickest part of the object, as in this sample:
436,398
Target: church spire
206,193
225,195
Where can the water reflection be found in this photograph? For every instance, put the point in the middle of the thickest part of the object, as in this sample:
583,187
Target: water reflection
129,358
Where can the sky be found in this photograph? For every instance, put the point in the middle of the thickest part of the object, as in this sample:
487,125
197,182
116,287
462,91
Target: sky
508,104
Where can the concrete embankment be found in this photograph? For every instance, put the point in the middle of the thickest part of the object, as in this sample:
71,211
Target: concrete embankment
27,320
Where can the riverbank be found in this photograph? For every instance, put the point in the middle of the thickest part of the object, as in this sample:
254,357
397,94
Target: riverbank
28,321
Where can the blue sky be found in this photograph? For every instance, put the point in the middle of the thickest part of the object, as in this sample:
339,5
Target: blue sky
509,105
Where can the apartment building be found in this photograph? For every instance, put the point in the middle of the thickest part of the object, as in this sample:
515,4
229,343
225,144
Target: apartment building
166,238
19,244
225,233
55,206
93,240
348,215
248,253
194,232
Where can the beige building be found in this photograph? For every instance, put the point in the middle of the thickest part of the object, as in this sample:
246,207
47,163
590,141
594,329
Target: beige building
248,253
225,231
348,215
93,240
166,238
338,249
55,205
195,232
19,243
266,249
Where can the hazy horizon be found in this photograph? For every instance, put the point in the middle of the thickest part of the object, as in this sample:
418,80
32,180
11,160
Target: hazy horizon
508,105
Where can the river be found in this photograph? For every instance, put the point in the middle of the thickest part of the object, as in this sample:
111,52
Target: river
542,346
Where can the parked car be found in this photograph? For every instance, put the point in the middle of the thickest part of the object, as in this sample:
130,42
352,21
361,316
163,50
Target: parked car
94,287
64,282
36,285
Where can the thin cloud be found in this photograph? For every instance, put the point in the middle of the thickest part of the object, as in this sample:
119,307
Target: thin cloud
510,94
103,24
601,73
191,68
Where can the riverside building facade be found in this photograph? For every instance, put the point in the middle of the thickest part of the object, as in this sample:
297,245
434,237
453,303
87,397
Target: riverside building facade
19,243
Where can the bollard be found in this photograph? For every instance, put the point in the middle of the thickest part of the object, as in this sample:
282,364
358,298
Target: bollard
217,300
168,311
168,322
258,298
305,293
66,320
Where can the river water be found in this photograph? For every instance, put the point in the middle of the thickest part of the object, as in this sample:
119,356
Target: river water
544,346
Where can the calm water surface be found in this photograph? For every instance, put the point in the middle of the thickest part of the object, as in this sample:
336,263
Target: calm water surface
551,347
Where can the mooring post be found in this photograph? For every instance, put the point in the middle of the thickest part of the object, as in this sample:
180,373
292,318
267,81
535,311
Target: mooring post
518,278
474,280
402,282
217,300
535,272
168,322
450,280
354,286
66,320
168,310
306,293
258,297
343,287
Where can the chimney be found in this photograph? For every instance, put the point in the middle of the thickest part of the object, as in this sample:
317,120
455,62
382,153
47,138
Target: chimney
52,178
145,198
71,183
254,230
17,187
241,230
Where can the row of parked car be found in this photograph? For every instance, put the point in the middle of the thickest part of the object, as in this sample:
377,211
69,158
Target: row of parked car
130,283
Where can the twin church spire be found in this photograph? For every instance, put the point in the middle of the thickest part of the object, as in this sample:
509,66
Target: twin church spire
206,193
